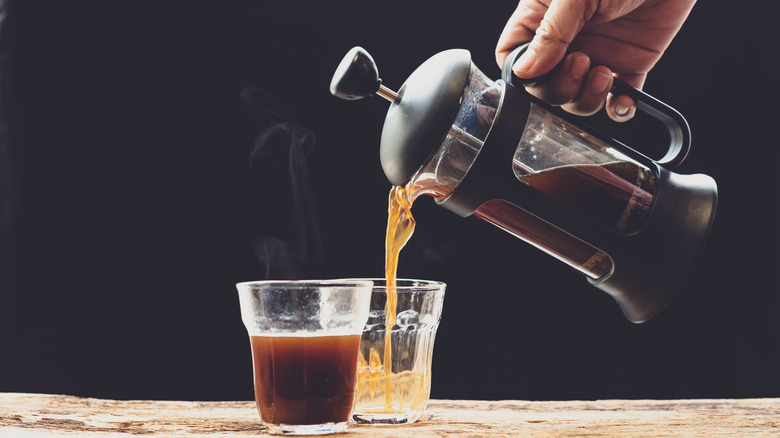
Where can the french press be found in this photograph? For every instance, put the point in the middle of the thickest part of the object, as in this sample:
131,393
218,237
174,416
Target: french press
490,149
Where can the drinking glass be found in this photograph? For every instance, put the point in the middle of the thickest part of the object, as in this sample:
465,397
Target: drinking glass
394,381
305,337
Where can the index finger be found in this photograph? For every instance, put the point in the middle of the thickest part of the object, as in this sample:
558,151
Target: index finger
552,34
520,28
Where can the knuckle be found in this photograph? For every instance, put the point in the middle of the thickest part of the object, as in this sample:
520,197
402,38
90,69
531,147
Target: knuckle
549,33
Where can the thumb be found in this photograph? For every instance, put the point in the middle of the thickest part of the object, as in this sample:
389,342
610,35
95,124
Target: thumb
561,23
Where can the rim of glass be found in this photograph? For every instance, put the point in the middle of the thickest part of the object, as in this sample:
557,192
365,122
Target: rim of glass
415,286
285,284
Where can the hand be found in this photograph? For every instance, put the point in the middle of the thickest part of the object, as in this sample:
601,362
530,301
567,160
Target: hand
603,37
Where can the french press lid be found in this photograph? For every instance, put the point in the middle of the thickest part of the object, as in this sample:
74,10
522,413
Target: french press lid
421,113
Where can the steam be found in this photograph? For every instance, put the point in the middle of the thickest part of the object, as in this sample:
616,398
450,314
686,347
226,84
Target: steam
289,245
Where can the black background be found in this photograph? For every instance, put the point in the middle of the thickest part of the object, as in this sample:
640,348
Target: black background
129,208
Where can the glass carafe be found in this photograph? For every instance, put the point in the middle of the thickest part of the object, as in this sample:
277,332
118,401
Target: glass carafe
490,149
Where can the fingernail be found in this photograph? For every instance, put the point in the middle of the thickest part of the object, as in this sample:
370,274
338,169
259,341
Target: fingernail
621,110
525,62
579,65
600,82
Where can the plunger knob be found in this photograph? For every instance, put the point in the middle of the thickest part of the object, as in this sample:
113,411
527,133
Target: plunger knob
357,77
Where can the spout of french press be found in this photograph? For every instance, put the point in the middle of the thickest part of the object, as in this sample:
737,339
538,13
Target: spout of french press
357,77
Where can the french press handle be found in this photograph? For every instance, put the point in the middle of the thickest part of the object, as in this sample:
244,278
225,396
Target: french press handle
679,131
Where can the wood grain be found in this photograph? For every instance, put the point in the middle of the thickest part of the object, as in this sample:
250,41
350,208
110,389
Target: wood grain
28,415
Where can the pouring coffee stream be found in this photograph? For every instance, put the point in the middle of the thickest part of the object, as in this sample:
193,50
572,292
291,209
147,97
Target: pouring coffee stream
488,148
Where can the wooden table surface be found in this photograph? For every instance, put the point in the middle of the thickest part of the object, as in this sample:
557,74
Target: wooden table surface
34,415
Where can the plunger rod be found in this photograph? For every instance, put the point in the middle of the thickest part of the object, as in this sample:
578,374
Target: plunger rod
388,94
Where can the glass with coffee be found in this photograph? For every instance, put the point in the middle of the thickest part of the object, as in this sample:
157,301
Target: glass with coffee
305,337
394,371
